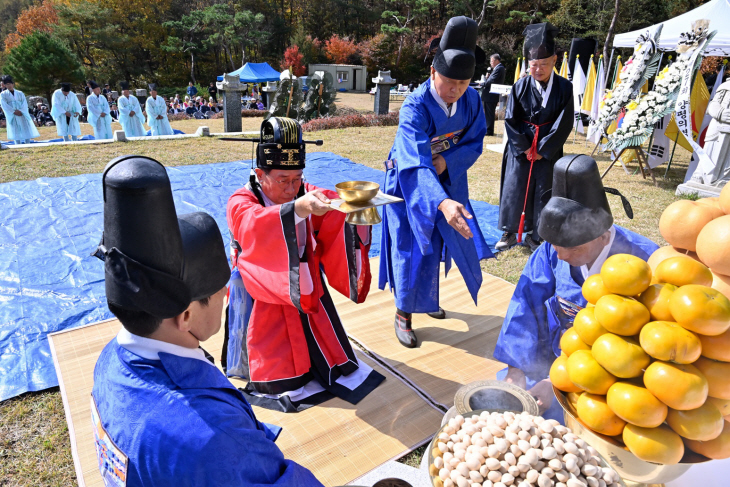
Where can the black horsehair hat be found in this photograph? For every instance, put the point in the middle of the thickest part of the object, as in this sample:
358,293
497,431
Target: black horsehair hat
65,86
578,210
124,85
8,79
155,261
92,84
539,41
457,53
152,86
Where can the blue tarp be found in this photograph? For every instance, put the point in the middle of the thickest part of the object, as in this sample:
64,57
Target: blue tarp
49,228
255,73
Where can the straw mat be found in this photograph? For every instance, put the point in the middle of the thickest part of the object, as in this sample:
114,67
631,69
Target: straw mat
337,441
451,352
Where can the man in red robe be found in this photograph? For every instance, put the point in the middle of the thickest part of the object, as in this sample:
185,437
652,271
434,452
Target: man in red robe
284,334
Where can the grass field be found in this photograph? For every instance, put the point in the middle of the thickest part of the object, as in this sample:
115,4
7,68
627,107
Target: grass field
34,442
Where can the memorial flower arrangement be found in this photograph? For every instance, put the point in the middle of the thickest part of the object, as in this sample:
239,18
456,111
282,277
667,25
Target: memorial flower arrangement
641,66
642,114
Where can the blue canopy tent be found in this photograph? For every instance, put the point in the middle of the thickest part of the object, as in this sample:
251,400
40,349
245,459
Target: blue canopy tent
255,73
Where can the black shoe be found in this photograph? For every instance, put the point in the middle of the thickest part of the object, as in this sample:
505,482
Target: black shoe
532,244
403,332
439,315
507,241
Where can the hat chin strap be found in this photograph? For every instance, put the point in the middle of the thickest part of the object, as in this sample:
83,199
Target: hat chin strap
627,206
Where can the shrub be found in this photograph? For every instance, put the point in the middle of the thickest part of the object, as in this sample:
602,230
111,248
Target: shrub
177,117
352,120
251,113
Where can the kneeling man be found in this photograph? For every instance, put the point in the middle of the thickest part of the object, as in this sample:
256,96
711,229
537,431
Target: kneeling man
162,413
285,336
579,234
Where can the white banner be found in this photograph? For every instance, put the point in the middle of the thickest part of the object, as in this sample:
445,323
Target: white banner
683,109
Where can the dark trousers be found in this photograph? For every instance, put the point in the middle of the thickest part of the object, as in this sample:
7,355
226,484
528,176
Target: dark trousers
490,107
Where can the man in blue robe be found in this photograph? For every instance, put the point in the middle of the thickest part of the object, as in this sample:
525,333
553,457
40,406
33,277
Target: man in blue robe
579,234
440,136
162,413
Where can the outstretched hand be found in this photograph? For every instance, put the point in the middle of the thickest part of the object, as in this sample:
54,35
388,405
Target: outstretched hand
543,393
516,376
455,214
312,203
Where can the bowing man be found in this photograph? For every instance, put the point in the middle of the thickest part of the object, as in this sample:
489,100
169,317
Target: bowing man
538,121
130,113
162,413
440,136
99,116
579,234
20,126
65,111
284,333
156,109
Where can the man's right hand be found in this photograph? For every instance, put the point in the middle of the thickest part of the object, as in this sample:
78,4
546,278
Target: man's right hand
455,212
312,203
516,376
132,114
68,114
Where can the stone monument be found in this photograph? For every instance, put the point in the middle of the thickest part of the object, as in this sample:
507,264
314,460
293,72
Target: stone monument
141,95
231,88
708,179
383,83
269,90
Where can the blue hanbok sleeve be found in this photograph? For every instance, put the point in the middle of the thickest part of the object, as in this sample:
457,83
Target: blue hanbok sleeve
419,183
467,151
524,341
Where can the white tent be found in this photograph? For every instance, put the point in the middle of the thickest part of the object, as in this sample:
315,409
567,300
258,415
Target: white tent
716,11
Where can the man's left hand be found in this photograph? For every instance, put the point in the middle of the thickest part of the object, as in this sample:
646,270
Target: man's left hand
439,163
103,114
543,393
17,113
159,117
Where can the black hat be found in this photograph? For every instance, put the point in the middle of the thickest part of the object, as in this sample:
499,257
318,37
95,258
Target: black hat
65,86
124,85
152,86
154,261
281,145
578,210
457,53
539,41
92,84
8,79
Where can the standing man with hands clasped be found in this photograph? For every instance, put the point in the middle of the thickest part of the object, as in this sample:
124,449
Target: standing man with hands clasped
440,136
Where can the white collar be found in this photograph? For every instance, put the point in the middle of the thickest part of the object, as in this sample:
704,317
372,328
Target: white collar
546,92
150,349
596,267
441,103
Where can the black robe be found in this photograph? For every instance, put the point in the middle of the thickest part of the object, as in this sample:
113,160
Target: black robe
525,104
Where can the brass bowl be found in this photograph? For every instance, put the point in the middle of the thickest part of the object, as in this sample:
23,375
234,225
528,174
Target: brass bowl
628,466
357,191
434,475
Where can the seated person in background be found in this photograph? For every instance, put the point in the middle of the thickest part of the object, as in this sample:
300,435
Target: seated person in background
186,103
114,112
260,105
44,118
162,413
37,110
579,234
284,333
203,107
190,111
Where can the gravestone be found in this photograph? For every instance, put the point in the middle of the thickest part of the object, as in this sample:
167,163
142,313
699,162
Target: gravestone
230,89
269,92
141,95
383,83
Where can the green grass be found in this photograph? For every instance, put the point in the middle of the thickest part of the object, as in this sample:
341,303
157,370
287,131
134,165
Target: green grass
34,442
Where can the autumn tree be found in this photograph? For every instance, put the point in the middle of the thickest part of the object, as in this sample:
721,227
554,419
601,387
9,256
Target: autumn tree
339,50
294,59
38,18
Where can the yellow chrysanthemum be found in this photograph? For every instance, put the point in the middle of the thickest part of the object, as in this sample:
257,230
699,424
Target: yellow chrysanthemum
632,105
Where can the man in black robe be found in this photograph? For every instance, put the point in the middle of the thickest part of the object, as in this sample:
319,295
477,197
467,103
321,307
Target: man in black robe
538,121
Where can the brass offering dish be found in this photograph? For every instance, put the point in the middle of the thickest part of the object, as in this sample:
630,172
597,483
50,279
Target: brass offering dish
635,472
360,199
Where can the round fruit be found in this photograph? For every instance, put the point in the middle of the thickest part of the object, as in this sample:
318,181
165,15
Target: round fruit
656,445
682,270
682,221
585,372
679,386
665,340
594,412
573,398
570,342
725,199
587,326
721,283
700,309
626,274
717,375
723,405
559,375
713,204
621,356
621,315
713,245
717,449
656,300
636,405
717,347
593,289
701,424
661,254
